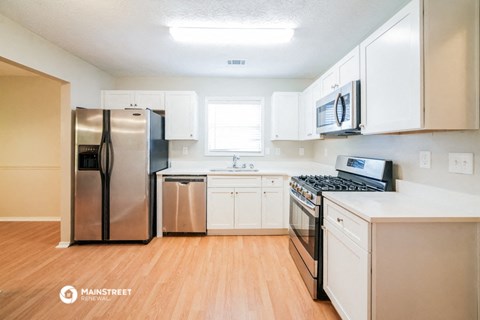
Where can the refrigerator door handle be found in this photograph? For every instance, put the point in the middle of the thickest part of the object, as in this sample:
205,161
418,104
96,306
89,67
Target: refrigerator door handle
102,158
110,157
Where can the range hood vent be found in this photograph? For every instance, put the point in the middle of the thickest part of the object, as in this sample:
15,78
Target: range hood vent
236,62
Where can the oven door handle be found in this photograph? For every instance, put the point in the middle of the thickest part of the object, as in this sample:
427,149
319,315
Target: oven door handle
310,208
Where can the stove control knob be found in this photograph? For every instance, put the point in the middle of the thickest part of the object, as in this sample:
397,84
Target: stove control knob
309,196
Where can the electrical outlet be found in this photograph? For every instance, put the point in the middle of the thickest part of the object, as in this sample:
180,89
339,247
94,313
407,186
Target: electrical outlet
267,151
301,151
425,159
277,151
460,163
185,151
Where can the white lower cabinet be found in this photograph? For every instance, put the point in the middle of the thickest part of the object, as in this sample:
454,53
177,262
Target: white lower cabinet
220,208
346,274
346,262
400,269
272,208
248,208
245,202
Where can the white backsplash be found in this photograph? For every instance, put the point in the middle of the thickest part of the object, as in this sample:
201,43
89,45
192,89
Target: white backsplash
404,151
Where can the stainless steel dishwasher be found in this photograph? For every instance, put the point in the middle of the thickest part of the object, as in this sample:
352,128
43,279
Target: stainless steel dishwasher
184,205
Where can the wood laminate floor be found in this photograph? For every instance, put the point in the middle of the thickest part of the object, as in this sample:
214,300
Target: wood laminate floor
215,277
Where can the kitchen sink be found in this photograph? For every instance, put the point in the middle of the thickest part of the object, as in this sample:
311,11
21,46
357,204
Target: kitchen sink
229,169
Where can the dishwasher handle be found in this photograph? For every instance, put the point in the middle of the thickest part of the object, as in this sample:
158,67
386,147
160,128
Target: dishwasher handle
184,180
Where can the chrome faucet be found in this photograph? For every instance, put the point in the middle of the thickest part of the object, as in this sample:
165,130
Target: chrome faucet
235,160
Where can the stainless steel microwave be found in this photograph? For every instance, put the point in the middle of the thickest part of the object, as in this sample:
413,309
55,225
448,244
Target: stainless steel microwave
339,112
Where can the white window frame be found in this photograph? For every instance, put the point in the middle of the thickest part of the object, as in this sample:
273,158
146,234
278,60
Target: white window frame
232,100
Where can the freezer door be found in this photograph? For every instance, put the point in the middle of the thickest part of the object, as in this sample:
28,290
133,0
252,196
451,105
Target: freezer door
129,181
88,183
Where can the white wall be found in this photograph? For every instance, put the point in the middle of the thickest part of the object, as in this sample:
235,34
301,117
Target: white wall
24,47
21,46
206,87
404,151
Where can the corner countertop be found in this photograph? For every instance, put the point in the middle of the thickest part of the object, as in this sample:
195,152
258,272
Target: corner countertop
289,169
410,203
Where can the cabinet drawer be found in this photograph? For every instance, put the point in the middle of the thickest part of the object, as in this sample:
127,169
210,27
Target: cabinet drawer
239,181
272,181
357,229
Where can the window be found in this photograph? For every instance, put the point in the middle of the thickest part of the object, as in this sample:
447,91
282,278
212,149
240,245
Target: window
234,125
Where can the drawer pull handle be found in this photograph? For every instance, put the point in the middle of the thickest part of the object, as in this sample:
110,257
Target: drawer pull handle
339,220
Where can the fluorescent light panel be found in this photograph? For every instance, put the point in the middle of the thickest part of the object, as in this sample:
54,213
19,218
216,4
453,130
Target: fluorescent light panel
246,36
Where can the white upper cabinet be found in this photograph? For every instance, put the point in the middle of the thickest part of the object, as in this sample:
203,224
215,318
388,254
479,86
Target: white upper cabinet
154,100
285,109
307,115
328,81
419,71
344,71
181,115
121,99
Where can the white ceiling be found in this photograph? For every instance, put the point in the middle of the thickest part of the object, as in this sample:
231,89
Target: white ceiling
131,38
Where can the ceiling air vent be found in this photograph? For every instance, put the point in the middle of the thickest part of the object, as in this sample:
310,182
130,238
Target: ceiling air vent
236,62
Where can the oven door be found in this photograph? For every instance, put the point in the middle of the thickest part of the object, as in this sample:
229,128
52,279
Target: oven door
304,230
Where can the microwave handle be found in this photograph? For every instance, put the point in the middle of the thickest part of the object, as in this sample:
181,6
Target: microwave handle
335,109
344,109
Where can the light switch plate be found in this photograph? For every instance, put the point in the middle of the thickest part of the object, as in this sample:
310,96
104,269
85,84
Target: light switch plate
277,151
460,163
185,151
425,159
267,151
301,151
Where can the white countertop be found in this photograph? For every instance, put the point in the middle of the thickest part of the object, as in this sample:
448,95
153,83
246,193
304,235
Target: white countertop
411,203
264,168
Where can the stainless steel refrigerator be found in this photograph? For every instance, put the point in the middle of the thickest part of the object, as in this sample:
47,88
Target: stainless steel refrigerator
117,153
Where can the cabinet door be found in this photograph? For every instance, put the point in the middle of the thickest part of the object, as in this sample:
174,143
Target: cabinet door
118,99
391,75
154,100
302,130
220,208
346,276
181,116
329,81
248,208
285,115
349,67
308,127
272,208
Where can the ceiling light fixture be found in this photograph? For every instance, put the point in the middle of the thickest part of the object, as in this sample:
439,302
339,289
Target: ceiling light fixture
247,36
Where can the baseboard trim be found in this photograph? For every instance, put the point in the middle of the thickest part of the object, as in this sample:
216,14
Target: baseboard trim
247,232
29,219
63,245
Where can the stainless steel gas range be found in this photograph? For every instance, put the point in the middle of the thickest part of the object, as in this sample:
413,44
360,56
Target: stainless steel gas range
306,210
